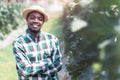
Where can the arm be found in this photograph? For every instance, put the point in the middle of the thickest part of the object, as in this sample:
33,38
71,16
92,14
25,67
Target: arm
25,66
55,64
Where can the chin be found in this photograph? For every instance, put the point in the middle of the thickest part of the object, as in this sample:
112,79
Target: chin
34,30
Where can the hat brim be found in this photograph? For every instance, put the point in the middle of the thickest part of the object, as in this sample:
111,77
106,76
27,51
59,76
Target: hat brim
26,11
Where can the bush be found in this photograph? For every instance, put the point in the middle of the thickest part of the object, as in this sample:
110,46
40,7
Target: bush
9,18
89,36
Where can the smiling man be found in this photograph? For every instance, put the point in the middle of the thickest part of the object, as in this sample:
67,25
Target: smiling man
37,53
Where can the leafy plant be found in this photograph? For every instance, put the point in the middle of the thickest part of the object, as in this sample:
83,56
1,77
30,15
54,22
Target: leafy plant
9,18
89,35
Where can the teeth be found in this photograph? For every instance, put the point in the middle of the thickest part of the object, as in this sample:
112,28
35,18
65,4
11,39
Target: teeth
35,25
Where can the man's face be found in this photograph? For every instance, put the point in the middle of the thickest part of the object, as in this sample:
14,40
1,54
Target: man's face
35,21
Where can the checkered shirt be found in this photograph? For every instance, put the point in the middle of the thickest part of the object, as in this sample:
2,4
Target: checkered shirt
37,60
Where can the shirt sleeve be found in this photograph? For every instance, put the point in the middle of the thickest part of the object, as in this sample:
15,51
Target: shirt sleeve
55,63
24,65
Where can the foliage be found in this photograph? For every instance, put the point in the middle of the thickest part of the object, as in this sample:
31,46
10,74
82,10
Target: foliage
9,18
90,45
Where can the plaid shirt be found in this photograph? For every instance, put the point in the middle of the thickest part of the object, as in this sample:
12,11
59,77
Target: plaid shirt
37,60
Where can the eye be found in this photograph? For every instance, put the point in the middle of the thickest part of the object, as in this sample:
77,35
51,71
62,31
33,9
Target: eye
32,17
40,18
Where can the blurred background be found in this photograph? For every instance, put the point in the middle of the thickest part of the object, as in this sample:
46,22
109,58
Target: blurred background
88,31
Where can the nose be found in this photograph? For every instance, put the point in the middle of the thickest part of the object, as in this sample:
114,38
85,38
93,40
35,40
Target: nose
36,20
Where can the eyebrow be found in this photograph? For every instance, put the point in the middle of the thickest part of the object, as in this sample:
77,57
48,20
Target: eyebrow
32,14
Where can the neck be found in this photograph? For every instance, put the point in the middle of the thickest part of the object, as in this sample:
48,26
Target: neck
34,33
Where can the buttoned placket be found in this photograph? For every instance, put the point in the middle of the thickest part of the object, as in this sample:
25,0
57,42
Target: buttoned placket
36,45
38,48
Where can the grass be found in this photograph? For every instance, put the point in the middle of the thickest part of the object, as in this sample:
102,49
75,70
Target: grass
7,64
7,61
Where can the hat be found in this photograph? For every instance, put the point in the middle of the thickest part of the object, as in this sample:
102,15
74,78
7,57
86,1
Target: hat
37,8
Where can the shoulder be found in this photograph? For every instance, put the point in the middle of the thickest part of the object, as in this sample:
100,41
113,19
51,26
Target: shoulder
19,39
49,35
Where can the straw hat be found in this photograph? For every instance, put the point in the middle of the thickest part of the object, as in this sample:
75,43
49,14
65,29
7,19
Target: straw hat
35,8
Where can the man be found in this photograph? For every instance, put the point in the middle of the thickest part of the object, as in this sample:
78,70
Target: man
36,53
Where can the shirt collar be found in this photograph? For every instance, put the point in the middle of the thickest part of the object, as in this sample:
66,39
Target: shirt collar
29,35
